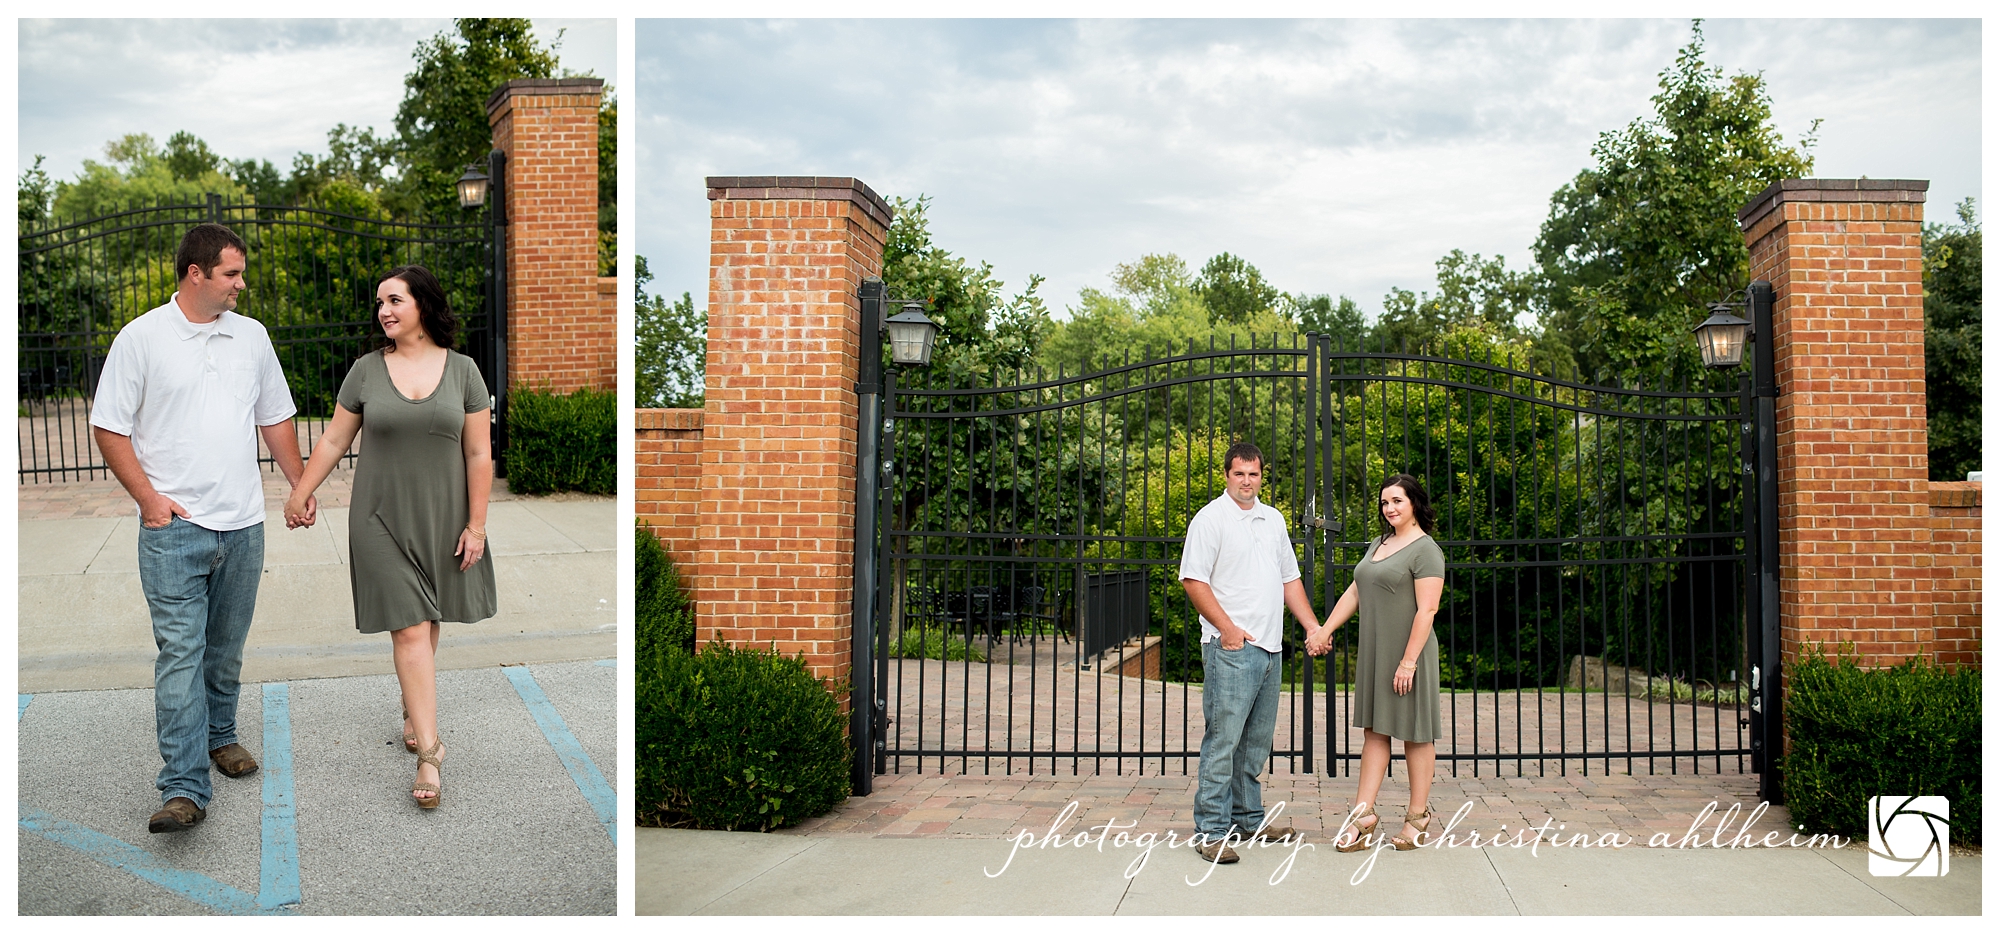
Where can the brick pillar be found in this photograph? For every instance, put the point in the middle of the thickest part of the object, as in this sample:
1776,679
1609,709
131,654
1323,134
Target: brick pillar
1955,543
776,539
1844,258
560,333
666,461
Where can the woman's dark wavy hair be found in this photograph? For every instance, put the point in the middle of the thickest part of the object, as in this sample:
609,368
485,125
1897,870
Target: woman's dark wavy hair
1420,503
433,308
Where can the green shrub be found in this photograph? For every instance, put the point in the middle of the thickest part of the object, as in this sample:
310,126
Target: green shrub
562,441
665,615
736,739
934,643
1855,734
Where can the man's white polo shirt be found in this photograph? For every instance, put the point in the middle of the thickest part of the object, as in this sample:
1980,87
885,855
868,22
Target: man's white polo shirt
1245,557
191,397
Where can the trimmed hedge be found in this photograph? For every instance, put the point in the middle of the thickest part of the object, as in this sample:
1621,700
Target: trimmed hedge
1857,733
665,615
736,739
562,441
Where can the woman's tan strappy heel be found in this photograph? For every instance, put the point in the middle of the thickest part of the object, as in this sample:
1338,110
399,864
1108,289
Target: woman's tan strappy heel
409,739
1361,835
1420,820
430,756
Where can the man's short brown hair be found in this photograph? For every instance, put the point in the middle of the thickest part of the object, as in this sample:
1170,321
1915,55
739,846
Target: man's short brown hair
1242,451
202,246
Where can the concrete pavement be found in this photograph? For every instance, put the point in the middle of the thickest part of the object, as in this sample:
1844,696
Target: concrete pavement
682,872
326,826
84,625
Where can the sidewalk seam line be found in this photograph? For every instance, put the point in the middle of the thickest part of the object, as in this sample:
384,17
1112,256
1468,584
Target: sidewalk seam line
1869,885
810,844
1502,877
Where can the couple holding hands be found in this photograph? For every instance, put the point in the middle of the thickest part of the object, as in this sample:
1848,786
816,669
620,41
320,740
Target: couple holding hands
185,393
1241,574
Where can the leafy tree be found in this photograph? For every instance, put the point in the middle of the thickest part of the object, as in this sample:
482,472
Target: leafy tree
355,157
1635,246
1340,318
1951,344
441,124
981,331
671,349
138,171
1233,290
607,185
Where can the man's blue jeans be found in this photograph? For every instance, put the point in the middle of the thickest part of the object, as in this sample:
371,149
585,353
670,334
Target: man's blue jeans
201,586
1239,704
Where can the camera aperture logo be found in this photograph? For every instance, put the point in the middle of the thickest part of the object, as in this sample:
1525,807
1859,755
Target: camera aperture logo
1909,835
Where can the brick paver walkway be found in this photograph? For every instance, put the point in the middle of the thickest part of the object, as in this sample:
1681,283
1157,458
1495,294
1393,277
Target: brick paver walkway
1057,708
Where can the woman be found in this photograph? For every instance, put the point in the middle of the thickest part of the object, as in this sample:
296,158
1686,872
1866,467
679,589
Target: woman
1396,589
417,526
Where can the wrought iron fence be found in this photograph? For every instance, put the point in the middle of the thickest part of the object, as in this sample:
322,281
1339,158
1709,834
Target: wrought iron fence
312,274
1032,618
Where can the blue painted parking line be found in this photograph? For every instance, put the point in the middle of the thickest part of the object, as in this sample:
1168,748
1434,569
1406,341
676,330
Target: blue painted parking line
607,662
118,854
581,770
278,883
25,698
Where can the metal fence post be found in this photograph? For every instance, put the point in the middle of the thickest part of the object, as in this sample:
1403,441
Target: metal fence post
1768,675
867,459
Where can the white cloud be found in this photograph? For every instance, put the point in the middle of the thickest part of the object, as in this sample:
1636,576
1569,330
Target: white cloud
263,89
1339,156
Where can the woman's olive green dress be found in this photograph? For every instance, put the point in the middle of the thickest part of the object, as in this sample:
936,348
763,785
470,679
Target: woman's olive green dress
410,501
1388,592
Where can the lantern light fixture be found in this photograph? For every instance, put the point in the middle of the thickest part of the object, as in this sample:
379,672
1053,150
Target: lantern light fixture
472,187
912,335
1723,336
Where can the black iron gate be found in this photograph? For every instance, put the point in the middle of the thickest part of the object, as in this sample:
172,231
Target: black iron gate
312,274
1022,613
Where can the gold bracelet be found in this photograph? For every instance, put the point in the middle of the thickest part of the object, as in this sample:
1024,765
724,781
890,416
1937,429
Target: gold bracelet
477,533
1408,666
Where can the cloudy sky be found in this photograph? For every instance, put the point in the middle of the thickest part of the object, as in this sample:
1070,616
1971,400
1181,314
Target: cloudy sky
1338,156
263,89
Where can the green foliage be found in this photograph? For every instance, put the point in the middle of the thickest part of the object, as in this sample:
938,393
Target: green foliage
671,351
1952,312
1635,246
562,441
980,330
1155,308
934,643
1339,319
1909,730
1234,291
441,123
139,172
607,185
663,613
736,739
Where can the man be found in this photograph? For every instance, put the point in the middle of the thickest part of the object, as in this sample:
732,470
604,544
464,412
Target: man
1240,573
185,392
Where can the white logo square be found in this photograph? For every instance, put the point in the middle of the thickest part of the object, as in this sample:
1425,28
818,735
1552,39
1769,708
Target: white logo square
1909,835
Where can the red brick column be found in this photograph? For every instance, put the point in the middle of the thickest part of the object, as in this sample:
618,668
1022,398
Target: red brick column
559,332
667,466
1844,260
1955,543
776,534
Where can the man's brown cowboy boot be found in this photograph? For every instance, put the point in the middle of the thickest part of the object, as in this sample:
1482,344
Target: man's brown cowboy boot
177,814
233,760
